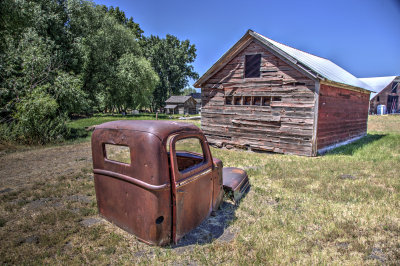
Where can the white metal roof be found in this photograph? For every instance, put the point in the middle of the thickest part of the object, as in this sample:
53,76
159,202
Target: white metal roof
321,66
378,83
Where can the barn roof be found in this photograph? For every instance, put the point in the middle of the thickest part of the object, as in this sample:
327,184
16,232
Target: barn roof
317,67
378,83
178,99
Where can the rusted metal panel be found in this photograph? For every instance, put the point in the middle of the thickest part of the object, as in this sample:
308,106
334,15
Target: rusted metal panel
218,192
236,182
133,195
158,194
191,207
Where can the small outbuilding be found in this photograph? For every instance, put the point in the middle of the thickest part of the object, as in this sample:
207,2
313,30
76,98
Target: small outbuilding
264,95
180,105
197,97
387,92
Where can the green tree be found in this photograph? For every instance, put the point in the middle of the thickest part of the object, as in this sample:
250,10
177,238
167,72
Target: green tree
135,84
171,59
119,15
25,67
188,90
67,91
101,52
38,120
65,57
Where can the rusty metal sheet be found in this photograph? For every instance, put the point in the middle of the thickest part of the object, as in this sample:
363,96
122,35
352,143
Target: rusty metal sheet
192,189
134,196
146,193
236,182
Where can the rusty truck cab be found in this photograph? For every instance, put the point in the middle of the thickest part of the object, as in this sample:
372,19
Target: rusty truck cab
159,192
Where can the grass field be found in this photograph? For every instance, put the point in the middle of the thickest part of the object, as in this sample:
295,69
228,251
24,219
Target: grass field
78,127
99,119
340,208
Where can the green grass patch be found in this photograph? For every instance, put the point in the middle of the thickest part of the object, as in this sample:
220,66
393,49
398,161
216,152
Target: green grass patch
101,118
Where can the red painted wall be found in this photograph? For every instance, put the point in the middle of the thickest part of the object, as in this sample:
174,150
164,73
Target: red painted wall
342,115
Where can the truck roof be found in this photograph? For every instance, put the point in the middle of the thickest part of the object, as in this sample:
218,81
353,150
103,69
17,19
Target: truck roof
162,129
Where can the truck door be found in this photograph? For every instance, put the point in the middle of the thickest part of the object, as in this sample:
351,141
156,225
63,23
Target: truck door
191,182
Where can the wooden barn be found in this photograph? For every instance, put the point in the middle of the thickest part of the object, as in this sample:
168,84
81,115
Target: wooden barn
387,92
180,105
197,97
264,95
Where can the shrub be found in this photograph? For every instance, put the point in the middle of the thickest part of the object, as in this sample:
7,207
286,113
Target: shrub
38,120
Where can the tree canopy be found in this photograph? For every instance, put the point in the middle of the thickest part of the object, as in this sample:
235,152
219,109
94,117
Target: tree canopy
81,58
171,59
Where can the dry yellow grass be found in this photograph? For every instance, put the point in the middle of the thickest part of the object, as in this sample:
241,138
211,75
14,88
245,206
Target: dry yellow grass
341,208
386,123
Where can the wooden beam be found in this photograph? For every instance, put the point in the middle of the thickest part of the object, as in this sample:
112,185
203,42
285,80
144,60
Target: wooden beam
315,129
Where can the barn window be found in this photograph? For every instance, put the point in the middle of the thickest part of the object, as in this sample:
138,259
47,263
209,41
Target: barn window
247,100
377,98
228,100
266,101
394,87
257,101
252,66
237,100
276,99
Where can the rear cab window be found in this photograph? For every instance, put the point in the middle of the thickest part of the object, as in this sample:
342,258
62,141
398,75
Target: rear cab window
117,153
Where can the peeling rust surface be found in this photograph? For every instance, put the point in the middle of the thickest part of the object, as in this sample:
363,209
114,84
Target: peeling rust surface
236,182
148,194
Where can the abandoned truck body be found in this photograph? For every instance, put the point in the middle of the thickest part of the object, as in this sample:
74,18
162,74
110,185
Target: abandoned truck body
166,185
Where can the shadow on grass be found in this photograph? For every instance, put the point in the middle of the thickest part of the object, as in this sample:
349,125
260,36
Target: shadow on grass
353,147
77,133
214,227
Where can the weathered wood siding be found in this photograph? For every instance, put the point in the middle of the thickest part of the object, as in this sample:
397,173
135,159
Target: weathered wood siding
342,115
189,107
285,125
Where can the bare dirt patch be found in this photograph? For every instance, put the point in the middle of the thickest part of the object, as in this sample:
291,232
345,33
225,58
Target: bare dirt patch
19,169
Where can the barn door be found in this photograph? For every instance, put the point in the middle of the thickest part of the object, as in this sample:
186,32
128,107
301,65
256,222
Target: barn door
392,104
191,169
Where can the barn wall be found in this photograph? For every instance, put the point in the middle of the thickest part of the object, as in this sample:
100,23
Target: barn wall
342,115
285,125
383,98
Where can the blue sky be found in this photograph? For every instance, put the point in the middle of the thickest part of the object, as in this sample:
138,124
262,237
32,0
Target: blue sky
361,36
